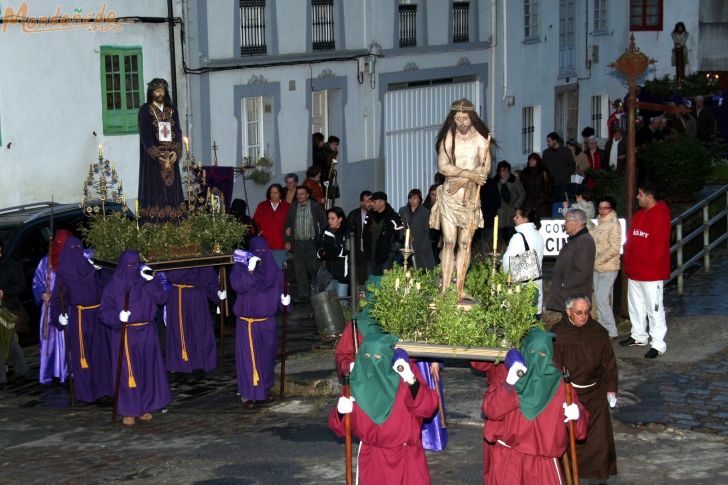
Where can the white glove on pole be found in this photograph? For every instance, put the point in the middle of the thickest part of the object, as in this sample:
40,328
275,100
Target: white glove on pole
96,266
124,316
612,398
351,368
402,368
63,319
285,300
345,405
222,294
571,411
252,262
146,273
513,377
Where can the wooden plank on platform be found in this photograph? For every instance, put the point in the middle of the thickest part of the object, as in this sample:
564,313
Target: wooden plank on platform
436,351
182,263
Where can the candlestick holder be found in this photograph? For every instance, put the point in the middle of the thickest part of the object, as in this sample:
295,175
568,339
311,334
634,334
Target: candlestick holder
101,185
406,253
193,179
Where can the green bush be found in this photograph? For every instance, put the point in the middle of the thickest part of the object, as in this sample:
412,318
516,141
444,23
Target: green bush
678,165
410,305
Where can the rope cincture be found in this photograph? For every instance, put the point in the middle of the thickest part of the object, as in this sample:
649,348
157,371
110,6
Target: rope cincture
130,373
181,287
81,308
250,321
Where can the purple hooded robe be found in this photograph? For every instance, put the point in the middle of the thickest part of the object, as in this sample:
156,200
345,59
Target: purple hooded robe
88,341
144,387
257,302
190,335
52,348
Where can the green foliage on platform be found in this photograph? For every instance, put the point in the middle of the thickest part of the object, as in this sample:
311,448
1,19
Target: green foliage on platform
200,234
409,304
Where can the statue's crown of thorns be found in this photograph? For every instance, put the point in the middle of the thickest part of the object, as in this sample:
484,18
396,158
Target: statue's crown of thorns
462,106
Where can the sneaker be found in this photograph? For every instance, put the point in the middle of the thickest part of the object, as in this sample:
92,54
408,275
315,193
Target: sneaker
630,342
651,354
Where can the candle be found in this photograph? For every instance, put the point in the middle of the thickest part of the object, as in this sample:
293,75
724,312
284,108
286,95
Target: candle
495,234
123,200
101,152
187,145
406,238
136,208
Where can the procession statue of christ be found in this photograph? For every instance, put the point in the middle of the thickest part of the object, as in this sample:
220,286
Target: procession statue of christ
160,150
463,157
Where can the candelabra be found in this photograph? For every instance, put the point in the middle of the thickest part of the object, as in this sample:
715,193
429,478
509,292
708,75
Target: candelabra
102,185
194,179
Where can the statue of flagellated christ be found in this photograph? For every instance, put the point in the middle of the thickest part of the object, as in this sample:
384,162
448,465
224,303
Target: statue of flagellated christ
160,149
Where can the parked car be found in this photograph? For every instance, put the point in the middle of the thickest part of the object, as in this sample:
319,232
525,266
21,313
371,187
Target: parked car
26,231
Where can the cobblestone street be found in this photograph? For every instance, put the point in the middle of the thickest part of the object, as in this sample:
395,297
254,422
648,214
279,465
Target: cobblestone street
671,423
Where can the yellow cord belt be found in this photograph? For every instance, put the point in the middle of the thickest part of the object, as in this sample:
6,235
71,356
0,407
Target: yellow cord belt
132,381
81,308
181,326
250,321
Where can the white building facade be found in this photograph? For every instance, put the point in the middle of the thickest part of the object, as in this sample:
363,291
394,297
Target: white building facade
73,78
258,77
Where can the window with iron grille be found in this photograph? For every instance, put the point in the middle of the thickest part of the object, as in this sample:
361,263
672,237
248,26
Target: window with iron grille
408,25
645,14
252,27
322,16
527,130
600,15
460,27
596,115
531,19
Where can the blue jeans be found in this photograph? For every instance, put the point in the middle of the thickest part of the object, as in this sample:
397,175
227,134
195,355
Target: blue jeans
280,256
341,289
17,360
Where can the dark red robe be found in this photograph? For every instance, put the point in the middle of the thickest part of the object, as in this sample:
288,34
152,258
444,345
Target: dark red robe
392,452
528,452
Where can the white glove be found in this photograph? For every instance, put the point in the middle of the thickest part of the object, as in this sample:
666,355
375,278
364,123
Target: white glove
345,405
96,266
252,262
326,183
402,368
571,411
146,273
63,319
612,398
512,377
334,161
285,300
222,294
351,368
124,316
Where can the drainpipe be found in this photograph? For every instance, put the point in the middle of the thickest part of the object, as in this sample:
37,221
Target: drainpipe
493,58
172,53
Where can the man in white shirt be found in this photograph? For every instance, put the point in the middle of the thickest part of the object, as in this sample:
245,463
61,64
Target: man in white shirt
616,151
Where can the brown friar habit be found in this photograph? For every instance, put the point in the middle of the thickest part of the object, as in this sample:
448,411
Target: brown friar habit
588,355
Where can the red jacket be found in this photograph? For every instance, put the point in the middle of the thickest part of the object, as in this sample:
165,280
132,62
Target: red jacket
270,222
647,250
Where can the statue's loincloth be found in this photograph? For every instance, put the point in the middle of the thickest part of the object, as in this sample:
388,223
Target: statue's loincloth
465,214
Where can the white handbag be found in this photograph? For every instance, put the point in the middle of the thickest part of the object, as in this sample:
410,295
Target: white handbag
524,267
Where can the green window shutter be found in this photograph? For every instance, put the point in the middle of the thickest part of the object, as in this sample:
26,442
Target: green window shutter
121,89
